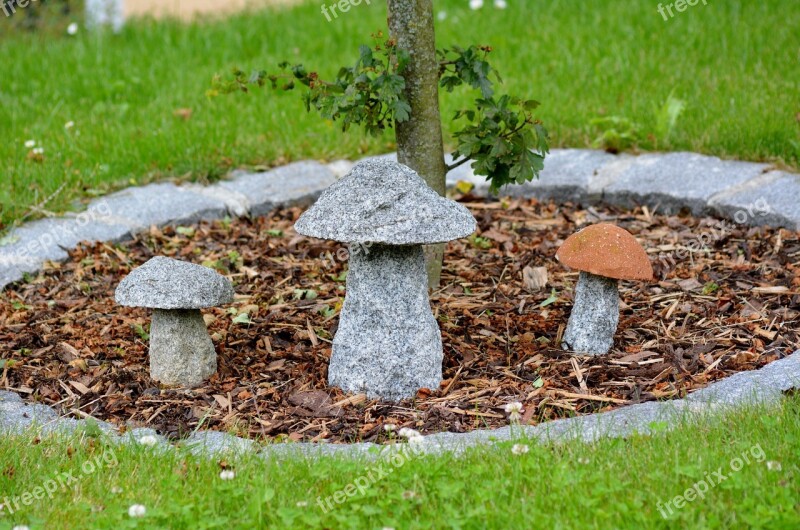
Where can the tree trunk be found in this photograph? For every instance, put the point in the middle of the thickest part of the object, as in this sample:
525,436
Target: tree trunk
419,140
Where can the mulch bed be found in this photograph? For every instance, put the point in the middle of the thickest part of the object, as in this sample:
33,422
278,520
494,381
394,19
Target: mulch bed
732,306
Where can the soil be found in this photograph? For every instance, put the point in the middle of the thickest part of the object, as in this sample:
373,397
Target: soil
726,299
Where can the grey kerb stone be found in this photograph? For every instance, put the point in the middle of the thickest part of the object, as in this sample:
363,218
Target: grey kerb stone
181,352
388,343
764,387
772,199
741,191
119,216
674,181
297,183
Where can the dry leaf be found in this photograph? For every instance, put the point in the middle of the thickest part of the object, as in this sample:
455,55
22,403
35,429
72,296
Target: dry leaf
534,278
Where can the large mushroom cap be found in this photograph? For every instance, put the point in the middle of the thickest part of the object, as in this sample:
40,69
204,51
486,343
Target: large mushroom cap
165,283
381,201
606,250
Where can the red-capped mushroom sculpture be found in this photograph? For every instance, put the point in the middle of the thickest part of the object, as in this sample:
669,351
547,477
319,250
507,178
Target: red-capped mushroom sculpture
605,254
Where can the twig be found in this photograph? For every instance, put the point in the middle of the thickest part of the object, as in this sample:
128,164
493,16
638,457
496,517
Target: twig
457,164
38,207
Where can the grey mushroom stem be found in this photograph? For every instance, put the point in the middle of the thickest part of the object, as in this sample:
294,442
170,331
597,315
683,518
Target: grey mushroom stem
181,352
388,343
594,317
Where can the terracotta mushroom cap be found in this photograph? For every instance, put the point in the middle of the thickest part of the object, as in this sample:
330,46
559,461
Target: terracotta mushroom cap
606,250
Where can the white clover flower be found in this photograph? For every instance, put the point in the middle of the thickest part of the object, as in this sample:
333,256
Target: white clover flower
520,449
416,440
302,504
772,465
514,411
116,490
69,125
389,427
475,4
442,15
30,144
582,460
516,406
405,432
137,510
37,150
72,29
21,527
148,440
227,474
500,4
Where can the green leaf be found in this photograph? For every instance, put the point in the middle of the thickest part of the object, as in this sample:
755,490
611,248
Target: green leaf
401,110
402,58
480,242
242,318
299,71
140,331
486,86
468,145
450,82
8,240
308,294
530,104
667,116
552,299
365,56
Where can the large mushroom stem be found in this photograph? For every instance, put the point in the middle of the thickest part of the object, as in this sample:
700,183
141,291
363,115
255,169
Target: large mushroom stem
388,344
594,316
181,352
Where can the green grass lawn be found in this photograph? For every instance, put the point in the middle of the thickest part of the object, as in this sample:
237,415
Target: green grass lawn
607,484
734,63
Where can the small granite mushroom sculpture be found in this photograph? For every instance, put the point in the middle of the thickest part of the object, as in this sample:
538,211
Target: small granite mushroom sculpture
388,343
181,352
604,253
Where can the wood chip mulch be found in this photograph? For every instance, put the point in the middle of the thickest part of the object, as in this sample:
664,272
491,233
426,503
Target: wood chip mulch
727,299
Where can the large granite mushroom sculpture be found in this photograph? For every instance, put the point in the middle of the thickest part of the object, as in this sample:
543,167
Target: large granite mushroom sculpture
604,253
388,343
181,352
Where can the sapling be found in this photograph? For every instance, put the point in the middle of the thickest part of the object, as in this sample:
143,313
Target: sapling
394,84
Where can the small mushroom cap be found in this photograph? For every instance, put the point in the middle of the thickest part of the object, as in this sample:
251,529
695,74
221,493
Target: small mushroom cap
606,250
381,201
165,283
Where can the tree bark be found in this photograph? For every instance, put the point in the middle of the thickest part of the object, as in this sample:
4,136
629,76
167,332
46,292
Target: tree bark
419,139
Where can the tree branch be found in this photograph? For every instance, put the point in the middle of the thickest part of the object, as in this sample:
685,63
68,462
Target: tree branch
457,164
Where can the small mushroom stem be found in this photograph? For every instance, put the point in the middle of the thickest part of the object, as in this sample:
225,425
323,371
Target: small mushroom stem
388,343
181,352
594,317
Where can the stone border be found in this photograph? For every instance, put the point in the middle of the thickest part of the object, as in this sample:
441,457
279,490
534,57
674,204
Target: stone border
758,387
746,192
117,217
664,182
